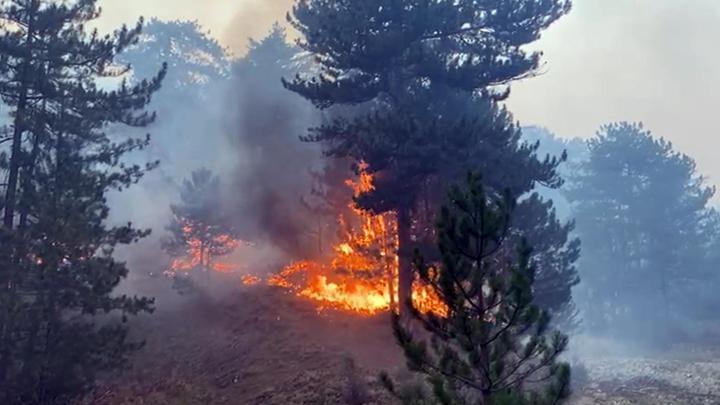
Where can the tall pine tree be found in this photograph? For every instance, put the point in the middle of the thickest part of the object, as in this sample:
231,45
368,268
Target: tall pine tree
426,77
60,323
642,211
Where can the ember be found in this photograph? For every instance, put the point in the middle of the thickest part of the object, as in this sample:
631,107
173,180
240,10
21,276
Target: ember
251,280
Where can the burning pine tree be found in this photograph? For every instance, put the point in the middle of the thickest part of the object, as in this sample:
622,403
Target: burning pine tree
199,231
359,273
417,87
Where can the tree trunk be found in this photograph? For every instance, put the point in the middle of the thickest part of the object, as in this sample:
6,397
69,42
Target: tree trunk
486,398
27,178
14,169
389,263
405,271
19,127
6,331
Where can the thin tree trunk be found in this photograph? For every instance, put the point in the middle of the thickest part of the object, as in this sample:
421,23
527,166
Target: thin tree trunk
6,333
30,369
320,238
27,178
19,127
405,271
11,191
389,264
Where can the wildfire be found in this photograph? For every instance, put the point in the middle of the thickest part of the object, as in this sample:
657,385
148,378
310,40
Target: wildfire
361,274
251,280
201,249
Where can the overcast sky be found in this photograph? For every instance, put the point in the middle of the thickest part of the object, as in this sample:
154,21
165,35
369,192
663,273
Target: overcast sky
655,61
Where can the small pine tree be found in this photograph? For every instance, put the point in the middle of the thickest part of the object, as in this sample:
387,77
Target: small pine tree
494,346
199,230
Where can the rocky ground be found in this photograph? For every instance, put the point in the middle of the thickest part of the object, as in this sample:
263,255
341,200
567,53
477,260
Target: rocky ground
672,379
258,345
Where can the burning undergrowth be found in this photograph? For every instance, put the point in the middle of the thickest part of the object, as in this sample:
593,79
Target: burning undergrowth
313,243
361,270
357,274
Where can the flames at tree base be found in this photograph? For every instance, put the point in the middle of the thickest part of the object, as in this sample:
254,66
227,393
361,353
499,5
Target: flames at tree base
359,274
368,296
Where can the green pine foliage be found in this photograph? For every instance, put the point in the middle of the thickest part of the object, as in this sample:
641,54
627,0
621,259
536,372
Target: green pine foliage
61,324
415,87
648,232
495,345
194,58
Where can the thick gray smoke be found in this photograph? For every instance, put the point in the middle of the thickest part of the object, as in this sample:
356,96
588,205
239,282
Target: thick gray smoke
252,21
235,118
272,172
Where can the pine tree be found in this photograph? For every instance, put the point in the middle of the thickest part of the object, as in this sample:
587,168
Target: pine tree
643,213
494,346
200,230
194,58
191,125
427,77
60,323
327,200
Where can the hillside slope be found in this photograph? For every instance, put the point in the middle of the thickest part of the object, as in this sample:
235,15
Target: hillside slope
259,345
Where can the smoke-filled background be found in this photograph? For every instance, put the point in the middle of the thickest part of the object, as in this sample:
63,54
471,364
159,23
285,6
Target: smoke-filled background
223,107
640,60
280,231
645,215
232,116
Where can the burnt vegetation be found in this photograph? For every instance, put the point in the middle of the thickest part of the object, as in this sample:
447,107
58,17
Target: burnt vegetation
357,179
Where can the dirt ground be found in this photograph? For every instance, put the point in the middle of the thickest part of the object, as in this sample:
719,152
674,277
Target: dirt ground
259,345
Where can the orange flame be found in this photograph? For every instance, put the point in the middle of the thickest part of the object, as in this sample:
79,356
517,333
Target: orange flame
249,279
361,275
198,255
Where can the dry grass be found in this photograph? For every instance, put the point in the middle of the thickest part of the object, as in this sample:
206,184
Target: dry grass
258,345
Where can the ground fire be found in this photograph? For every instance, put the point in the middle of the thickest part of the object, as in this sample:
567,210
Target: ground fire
201,250
361,273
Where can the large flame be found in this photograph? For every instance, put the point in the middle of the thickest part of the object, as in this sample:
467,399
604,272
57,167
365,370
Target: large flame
361,274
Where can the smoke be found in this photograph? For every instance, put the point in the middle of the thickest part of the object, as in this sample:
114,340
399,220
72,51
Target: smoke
244,126
642,60
232,22
272,174
252,21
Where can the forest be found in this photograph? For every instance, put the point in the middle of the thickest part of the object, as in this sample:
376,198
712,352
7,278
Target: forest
346,211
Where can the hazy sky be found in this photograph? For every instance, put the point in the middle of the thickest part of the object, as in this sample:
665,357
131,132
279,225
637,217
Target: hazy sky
654,61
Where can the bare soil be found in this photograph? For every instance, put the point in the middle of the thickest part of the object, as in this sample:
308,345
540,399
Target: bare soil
259,345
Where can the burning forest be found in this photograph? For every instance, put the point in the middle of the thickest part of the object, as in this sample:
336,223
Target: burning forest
360,273
347,209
